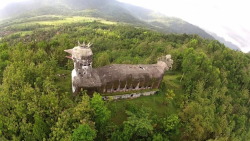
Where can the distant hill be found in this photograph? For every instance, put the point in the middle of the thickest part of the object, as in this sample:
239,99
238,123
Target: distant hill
226,43
165,24
107,9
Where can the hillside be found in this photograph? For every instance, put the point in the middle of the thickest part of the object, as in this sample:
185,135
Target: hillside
106,9
204,97
227,43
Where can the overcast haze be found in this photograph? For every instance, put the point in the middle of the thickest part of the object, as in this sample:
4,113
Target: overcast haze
227,18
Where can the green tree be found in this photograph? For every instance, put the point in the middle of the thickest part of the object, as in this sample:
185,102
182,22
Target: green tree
101,112
83,133
69,119
40,129
158,137
170,123
102,59
169,96
138,125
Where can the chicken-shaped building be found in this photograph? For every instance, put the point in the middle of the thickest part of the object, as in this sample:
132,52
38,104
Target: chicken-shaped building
116,77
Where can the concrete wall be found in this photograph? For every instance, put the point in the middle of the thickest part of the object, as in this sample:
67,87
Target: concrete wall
132,95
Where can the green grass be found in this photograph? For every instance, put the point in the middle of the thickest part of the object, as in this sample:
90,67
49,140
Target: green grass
28,25
61,21
155,103
24,33
118,107
64,83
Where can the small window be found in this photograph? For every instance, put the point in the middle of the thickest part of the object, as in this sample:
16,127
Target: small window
141,68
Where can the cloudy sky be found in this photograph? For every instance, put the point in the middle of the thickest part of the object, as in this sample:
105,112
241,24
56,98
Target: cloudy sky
3,3
227,18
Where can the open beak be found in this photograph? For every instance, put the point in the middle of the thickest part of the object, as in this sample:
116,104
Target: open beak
69,57
69,51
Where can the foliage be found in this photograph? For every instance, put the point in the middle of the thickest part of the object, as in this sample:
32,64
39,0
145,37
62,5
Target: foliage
209,99
70,118
40,129
169,96
170,123
138,126
83,133
101,113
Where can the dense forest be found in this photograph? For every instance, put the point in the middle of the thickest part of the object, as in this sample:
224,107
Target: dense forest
204,97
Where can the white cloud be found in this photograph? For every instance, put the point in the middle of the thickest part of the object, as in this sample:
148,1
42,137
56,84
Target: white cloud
226,18
3,3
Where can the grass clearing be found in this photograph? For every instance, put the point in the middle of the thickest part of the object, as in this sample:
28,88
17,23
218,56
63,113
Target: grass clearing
63,80
64,20
155,103
24,33
46,22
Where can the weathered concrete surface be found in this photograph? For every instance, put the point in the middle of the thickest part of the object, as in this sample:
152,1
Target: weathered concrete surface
116,77
125,77
132,95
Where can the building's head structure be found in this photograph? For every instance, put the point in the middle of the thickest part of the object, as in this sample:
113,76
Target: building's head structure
116,77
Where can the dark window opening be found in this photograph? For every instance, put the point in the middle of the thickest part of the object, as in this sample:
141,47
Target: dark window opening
141,68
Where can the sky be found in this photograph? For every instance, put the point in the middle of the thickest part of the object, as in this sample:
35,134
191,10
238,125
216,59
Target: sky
226,18
3,3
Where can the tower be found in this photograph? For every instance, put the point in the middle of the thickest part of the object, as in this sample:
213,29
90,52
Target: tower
82,58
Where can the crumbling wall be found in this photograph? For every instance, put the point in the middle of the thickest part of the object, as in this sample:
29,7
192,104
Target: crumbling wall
124,77
127,96
117,77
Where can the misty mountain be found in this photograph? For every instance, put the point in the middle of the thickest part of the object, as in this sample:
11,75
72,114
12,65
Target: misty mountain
226,43
106,9
164,23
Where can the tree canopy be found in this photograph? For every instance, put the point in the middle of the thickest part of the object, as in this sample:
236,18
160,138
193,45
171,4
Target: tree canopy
208,100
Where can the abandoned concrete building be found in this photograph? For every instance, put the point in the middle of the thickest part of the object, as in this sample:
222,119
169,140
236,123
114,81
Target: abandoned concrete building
116,77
